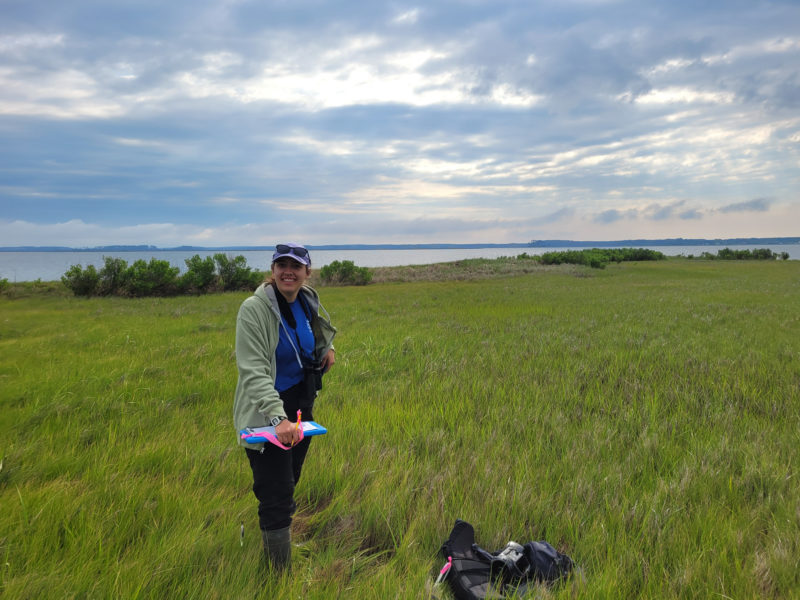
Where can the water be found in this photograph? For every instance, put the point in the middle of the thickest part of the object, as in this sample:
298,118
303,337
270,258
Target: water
50,266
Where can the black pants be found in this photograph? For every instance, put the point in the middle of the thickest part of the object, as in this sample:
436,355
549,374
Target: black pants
277,471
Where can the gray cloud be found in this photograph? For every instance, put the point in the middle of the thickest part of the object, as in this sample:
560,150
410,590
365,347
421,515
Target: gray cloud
690,215
555,217
613,215
658,212
754,205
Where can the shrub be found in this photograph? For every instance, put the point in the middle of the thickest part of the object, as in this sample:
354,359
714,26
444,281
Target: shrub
591,258
598,258
201,274
746,254
82,282
633,254
160,278
156,278
345,273
234,274
3,285
112,275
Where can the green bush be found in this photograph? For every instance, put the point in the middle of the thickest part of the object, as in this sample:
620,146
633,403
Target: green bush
573,257
82,282
159,278
112,275
345,273
234,274
746,254
3,285
201,274
633,254
156,278
598,258
590,258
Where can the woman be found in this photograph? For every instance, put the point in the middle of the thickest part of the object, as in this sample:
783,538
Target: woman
283,345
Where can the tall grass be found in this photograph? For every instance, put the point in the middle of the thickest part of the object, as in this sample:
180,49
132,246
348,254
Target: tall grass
643,419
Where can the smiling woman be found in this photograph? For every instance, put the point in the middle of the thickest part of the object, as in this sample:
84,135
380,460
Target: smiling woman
283,348
289,272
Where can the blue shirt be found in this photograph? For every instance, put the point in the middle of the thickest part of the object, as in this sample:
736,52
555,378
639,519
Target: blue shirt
289,371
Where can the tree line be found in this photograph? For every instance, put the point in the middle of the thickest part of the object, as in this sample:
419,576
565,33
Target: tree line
596,258
219,273
746,254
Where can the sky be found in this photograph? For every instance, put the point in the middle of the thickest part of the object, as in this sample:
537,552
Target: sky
250,122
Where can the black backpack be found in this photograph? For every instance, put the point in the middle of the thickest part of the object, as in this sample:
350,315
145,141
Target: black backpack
476,574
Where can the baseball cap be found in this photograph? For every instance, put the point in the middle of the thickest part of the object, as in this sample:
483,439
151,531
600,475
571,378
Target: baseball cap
294,251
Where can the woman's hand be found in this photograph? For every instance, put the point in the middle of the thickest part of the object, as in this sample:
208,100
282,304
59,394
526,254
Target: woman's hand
288,433
328,360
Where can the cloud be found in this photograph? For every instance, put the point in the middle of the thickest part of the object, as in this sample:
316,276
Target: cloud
658,212
675,210
691,214
555,217
613,215
231,118
409,17
18,44
755,205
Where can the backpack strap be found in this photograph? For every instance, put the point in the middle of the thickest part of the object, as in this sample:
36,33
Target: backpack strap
469,575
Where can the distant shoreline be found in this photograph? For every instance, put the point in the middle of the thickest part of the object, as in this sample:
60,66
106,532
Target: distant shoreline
532,244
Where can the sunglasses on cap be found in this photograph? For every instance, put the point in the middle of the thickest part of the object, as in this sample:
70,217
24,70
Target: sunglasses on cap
284,249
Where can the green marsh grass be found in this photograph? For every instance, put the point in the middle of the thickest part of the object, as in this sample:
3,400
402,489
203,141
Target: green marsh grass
644,419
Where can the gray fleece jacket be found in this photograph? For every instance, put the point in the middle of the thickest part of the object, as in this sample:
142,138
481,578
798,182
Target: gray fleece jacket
257,329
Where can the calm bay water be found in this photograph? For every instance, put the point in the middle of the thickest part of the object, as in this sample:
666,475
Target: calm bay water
50,266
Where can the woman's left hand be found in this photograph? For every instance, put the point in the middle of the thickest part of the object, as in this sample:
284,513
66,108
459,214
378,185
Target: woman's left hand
328,360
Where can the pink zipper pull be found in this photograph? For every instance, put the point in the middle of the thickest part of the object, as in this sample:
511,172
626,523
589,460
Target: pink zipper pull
445,570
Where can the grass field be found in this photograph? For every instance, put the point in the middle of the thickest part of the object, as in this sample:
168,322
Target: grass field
644,419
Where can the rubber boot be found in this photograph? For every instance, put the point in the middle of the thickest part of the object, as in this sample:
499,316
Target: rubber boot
277,548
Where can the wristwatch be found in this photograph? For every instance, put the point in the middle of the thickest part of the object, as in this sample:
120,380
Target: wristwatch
275,421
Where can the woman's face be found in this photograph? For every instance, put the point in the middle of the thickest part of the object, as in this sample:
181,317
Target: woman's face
289,276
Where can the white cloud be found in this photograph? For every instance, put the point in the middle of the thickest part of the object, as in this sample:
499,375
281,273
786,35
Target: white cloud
360,71
324,147
675,95
409,17
66,94
771,45
12,44
669,66
138,143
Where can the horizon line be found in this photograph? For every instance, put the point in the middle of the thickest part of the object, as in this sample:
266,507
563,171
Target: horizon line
426,245
270,247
